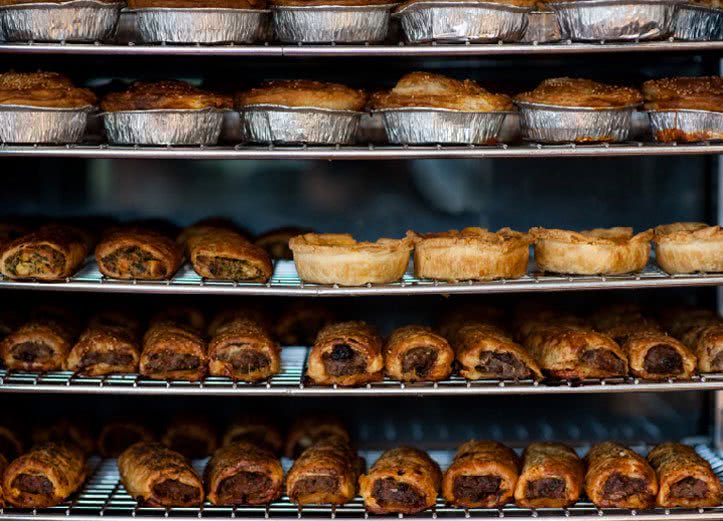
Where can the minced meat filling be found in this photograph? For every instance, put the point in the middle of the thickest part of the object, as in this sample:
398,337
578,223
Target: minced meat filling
343,361
35,261
546,488
132,261
117,358
689,488
33,484
663,359
230,269
504,365
32,351
315,485
171,361
245,360
176,491
242,487
419,360
619,486
389,491
604,360
476,488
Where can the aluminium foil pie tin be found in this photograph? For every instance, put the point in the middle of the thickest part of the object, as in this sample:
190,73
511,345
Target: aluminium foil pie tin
293,125
202,25
426,21
419,126
544,123
26,124
597,20
686,126
542,27
77,20
164,126
698,23
332,23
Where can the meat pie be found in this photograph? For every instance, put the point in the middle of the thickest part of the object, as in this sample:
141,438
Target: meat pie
192,436
243,350
309,429
416,353
256,430
617,477
685,478
173,352
552,476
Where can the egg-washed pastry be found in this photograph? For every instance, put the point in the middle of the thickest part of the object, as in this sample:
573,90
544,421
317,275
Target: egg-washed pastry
11,229
657,356
304,93
602,251
417,354
16,2
168,94
685,478
339,259
684,93
203,4
518,3
300,322
689,248
243,349
193,436
471,254
202,226
172,351
276,241
576,92
314,3
255,429
38,345
621,321
309,429
427,90
42,89
706,341
134,253
189,317
551,476
119,434
105,349
253,312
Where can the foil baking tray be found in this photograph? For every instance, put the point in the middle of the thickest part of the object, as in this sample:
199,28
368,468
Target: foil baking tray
686,126
25,124
599,20
202,25
77,20
462,22
164,127
293,125
419,126
332,23
544,123
698,23
542,27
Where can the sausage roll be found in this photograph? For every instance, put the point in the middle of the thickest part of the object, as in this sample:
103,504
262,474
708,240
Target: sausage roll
680,322
226,316
575,353
485,351
192,436
39,345
117,435
416,353
707,343
622,321
255,430
325,473
482,475
45,476
685,478
617,477
552,476
222,254
309,429
404,480
173,352
53,252
657,356
243,350
69,430
346,353
186,316
299,324
243,474
133,253
105,350
157,476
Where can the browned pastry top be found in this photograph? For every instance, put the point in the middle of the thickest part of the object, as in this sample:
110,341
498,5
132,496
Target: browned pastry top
576,92
607,236
168,94
16,2
504,237
310,3
304,93
687,232
518,3
423,89
186,4
702,93
42,89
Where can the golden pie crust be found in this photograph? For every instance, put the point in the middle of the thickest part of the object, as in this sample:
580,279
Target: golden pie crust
576,92
311,3
684,93
42,89
423,89
689,248
168,94
517,3
190,4
304,93
603,251
338,259
471,254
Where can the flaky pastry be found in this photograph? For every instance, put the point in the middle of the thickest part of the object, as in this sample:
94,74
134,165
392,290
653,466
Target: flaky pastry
602,251
519,3
42,89
186,4
689,248
168,94
576,92
304,93
686,93
312,3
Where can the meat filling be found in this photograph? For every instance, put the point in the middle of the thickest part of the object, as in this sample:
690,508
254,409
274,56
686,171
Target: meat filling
604,360
40,260
244,360
343,361
132,261
32,352
476,488
189,446
114,358
175,491
119,439
390,492
167,360
546,488
619,486
689,488
419,360
504,365
33,484
231,269
663,359
243,487
315,485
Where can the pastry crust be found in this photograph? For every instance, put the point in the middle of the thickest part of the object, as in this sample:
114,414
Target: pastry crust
138,254
602,251
404,480
314,3
617,477
191,436
168,94
117,435
689,248
227,316
222,254
417,354
243,350
471,254
42,89
551,476
310,429
346,354
684,93
707,343
686,479
483,474
620,322
154,475
531,4
657,356
299,323
339,259
243,474
173,352
39,345
426,90
304,93
276,241
576,92
103,350
259,431
197,4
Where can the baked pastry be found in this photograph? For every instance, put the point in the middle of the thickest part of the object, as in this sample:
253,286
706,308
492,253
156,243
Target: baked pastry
138,254
257,430
117,435
243,350
313,3
576,92
45,476
309,429
657,356
417,354
404,480
528,323
15,2
103,350
339,259
685,478
53,252
689,248
204,4
617,477
42,89
222,254
706,341
192,436
325,473
684,93
243,474
551,477
346,353
679,322
39,345
70,430
276,241
184,316
304,93
11,229
471,254
226,316
300,322
619,322
603,251
486,351
169,94
157,476
483,474
204,225
173,352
